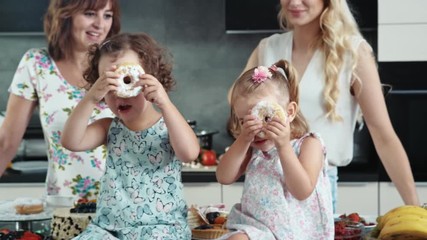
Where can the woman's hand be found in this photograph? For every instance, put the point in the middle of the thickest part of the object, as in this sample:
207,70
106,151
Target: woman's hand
251,126
153,90
107,81
279,131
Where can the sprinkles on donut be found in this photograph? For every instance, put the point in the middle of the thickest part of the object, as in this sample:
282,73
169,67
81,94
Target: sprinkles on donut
266,111
129,75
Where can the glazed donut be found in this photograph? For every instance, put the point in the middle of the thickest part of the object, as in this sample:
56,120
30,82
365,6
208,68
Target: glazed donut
129,75
266,111
28,206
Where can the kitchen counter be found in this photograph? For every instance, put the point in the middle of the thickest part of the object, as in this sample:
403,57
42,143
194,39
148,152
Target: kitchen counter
200,174
13,176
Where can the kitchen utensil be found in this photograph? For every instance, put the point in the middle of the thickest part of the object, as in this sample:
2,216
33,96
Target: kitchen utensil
30,166
22,222
205,135
56,201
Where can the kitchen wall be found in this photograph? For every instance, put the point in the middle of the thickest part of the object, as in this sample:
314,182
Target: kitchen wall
207,60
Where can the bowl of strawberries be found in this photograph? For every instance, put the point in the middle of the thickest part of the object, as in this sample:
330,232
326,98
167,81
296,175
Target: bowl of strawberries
352,227
345,230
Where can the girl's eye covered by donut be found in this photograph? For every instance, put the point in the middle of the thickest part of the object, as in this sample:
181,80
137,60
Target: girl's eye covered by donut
266,111
127,79
129,75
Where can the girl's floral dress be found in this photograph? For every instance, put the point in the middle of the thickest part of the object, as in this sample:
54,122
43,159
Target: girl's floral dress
69,173
268,211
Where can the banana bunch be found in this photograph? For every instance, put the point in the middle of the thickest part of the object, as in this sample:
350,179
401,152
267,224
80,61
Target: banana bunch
404,222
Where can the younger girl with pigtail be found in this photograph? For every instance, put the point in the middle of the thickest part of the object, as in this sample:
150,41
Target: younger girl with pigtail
286,192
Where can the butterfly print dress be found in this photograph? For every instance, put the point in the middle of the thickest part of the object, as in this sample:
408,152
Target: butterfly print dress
141,193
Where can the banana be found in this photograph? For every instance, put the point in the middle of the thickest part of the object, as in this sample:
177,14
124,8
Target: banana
406,218
405,237
402,210
404,230
404,222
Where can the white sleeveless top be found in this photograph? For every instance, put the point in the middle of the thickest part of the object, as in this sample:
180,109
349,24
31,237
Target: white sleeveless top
338,135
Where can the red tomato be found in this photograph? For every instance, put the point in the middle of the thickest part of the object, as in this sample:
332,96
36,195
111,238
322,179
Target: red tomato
208,157
30,236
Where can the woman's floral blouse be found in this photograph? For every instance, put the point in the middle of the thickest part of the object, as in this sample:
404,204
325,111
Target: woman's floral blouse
69,173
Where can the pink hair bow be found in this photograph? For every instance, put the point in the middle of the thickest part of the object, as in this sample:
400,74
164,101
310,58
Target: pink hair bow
261,74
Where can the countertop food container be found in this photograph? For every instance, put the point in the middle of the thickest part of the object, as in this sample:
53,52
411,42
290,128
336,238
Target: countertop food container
352,231
205,135
57,201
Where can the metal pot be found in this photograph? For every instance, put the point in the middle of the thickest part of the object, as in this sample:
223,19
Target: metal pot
205,136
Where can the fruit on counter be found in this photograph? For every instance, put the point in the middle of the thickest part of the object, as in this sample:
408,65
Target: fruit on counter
351,227
404,222
348,230
212,216
356,218
220,220
207,157
6,234
84,205
398,211
216,218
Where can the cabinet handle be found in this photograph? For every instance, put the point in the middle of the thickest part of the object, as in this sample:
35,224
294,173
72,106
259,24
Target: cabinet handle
408,92
352,184
417,184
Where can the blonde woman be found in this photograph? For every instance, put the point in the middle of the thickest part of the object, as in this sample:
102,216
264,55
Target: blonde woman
338,78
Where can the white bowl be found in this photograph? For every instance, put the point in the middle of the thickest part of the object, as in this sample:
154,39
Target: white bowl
60,201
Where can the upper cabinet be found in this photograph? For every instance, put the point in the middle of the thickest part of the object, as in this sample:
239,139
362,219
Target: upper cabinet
21,17
402,42
400,12
402,30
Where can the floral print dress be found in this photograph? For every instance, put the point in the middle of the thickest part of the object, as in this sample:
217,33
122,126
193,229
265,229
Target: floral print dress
141,192
69,173
268,211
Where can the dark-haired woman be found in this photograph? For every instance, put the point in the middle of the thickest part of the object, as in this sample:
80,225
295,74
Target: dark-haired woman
51,79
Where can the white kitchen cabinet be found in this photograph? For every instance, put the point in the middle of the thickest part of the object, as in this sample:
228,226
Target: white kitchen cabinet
402,30
398,11
202,193
390,198
360,197
11,191
402,42
232,194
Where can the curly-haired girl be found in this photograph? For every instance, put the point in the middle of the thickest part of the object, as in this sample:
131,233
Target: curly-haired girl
141,192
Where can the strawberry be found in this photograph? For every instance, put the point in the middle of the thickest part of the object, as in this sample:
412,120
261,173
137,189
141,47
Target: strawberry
354,217
339,228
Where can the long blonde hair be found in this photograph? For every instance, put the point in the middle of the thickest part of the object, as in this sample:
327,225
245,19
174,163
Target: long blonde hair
338,27
287,86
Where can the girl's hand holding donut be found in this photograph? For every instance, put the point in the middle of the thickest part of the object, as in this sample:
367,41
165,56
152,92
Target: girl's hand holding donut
278,130
153,90
106,82
251,126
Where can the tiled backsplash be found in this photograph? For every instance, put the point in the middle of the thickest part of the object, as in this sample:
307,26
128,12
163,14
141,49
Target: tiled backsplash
207,60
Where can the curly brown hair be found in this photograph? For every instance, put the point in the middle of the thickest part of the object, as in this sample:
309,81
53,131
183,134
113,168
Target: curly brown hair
58,23
154,59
